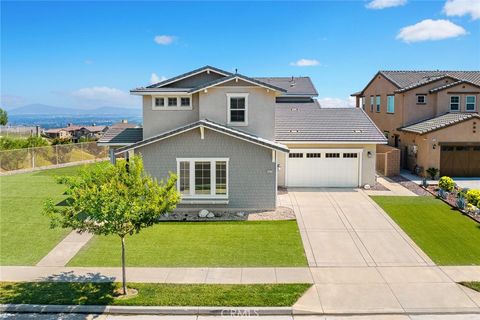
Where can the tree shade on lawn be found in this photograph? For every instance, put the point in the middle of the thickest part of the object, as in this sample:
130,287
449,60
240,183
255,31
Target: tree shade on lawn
25,234
151,294
444,234
201,244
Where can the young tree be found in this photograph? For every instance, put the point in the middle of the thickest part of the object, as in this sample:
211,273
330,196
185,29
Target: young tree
3,117
118,199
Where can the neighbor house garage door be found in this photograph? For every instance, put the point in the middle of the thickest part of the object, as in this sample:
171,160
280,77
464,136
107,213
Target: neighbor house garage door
460,160
323,168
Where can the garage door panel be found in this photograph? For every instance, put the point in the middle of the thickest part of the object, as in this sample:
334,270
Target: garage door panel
322,171
460,161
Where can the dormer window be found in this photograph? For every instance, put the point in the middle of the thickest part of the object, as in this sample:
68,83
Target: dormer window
237,109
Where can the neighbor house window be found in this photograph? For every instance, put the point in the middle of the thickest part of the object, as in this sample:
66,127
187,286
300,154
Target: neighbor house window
470,103
371,103
237,108
159,102
421,99
377,99
185,101
295,155
454,103
203,178
172,102
390,104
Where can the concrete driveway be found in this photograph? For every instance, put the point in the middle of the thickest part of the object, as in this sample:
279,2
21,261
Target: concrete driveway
345,228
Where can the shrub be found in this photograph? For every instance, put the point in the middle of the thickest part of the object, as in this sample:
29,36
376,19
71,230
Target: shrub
446,183
473,197
461,203
442,193
432,172
462,193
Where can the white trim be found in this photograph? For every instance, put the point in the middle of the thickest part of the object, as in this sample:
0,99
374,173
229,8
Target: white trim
166,107
202,132
237,95
424,99
203,201
287,142
107,144
474,103
459,104
236,78
208,70
213,182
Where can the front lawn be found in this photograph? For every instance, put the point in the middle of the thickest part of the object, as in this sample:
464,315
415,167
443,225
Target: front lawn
474,285
444,234
201,244
151,294
25,234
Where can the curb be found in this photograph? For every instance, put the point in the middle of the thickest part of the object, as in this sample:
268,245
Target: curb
145,310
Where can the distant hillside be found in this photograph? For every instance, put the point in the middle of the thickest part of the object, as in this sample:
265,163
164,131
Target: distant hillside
43,109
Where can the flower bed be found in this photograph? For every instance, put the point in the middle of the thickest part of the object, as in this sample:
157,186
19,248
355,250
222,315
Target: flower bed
452,199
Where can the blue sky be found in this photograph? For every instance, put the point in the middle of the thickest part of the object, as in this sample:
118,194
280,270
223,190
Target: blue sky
89,54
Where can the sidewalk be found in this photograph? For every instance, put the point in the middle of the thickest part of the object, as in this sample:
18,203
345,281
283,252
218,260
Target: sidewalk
65,250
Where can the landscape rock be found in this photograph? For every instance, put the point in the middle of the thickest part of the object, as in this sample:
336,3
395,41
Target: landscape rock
240,214
210,215
203,213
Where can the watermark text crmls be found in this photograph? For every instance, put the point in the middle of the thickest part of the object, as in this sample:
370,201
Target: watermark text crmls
240,313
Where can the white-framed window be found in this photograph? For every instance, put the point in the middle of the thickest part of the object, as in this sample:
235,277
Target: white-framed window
454,103
421,99
204,178
237,109
170,102
390,104
377,99
470,103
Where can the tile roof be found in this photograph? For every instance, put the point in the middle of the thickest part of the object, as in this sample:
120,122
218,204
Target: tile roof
310,122
439,122
298,87
122,134
403,79
210,125
452,84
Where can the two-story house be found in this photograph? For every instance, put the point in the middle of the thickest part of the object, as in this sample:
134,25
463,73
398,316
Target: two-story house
431,116
232,139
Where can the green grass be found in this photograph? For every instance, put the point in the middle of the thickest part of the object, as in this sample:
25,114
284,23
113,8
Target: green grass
151,294
475,285
444,234
25,234
201,244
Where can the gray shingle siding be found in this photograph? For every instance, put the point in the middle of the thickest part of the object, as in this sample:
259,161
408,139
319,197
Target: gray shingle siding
252,173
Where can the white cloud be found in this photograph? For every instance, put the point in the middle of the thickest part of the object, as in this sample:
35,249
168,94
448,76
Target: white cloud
462,8
164,39
305,63
154,78
382,4
101,96
337,102
430,30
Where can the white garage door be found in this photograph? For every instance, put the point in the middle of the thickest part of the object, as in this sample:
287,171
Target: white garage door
323,168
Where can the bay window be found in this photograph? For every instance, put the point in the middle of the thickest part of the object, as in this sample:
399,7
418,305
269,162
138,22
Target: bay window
203,178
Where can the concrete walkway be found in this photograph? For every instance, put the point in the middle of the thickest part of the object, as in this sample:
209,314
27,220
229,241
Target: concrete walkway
394,188
65,250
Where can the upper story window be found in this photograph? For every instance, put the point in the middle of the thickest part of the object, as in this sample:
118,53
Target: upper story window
171,103
391,104
421,99
377,99
237,108
371,103
454,103
470,103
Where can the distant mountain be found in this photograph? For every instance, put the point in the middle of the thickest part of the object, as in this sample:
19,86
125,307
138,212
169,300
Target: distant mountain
43,109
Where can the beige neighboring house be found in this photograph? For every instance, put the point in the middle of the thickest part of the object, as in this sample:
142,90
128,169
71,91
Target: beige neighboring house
431,116
75,133
57,133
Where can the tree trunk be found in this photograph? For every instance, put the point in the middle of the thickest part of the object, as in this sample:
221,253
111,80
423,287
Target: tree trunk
124,276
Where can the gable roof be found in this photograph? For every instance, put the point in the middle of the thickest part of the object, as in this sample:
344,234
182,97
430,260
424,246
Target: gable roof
121,134
212,126
409,79
439,122
310,122
235,77
189,74
293,86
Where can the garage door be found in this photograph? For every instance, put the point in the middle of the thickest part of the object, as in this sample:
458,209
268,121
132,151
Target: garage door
323,168
460,160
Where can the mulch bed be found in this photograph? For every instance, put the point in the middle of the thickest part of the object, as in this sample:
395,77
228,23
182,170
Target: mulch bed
410,185
379,187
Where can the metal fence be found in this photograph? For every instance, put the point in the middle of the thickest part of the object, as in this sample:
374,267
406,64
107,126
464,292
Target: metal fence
18,131
30,158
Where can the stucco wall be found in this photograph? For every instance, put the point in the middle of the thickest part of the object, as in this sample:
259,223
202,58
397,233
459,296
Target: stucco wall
158,121
368,164
261,108
462,90
427,156
251,172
